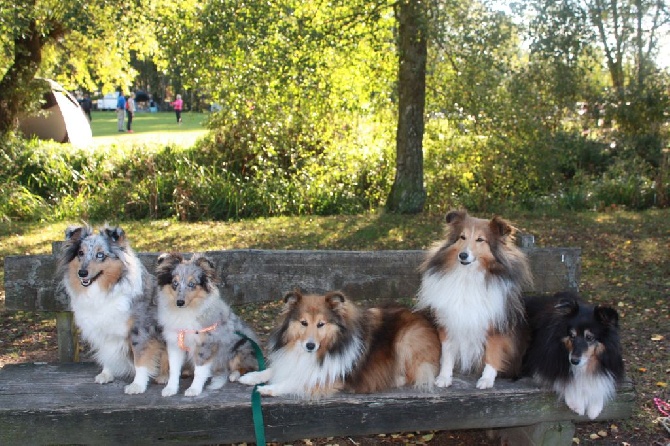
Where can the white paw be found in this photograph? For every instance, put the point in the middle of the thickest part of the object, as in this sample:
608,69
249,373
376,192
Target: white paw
575,406
162,379
134,389
169,390
234,376
594,410
104,377
443,381
485,382
268,390
217,382
251,378
193,391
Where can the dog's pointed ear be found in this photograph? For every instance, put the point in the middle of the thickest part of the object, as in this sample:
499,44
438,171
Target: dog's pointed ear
204,263
606,315
115,234
500,227
74,233
336,300
567,306
455,217
169,258
292,297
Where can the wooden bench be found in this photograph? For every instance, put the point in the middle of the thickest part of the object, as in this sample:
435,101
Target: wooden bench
59,403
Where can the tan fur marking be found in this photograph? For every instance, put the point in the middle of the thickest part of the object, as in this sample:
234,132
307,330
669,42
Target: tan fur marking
502,353
112,272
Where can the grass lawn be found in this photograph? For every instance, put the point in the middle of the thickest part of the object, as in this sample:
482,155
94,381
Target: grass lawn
625,263
148,128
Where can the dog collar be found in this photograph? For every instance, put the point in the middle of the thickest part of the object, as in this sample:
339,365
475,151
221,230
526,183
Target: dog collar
182,333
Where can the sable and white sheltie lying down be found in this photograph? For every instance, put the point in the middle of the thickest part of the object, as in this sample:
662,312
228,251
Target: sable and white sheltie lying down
472,283
199,327
324,344
111,296
575,350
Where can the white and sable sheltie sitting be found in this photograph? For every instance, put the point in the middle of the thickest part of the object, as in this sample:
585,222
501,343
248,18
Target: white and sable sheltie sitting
575,350
199,327
472,283
325,344
111,296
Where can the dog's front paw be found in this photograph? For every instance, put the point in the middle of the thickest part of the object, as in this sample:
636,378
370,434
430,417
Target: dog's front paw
251,378
443,381
234,376
134,389
485,382
104,377
169,390
594,409
268,390
193,391
575,405
217,382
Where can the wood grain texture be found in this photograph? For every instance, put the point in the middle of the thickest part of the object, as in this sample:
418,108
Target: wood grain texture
60,403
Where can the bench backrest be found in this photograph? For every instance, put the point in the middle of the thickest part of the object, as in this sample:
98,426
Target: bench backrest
261,275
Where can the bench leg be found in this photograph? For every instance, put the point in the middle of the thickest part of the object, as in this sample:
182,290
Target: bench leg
559,433
67,336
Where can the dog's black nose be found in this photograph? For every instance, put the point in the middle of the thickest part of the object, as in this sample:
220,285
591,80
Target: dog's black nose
574,360
82,273
310,346
180,303
463,255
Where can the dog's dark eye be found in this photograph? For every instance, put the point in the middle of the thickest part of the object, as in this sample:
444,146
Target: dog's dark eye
303,323
479,239
80,253
100,256
320,324
462,237
589,338
175,284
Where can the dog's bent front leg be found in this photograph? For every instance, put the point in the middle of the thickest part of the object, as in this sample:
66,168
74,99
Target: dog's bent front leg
253,378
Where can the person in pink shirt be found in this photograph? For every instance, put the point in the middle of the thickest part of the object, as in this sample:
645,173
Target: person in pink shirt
178,104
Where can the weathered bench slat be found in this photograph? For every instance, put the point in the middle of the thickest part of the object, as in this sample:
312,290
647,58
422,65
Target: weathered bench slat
262,275
42,404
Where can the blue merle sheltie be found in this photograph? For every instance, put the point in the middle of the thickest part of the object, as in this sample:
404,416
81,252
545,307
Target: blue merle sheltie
112,298
574,350
199,327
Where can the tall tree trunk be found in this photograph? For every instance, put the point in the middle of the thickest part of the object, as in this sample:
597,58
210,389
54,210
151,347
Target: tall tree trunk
27,58
408,194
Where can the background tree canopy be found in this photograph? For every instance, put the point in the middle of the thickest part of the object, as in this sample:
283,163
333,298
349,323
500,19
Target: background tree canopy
546,102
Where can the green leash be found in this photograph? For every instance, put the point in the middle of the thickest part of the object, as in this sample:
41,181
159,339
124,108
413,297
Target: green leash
256,410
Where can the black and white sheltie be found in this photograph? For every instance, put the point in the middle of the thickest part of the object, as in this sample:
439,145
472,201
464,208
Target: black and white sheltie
199,326
325,343
472,283
575,350
111,296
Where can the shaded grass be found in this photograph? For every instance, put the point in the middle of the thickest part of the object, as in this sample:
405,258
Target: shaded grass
625,263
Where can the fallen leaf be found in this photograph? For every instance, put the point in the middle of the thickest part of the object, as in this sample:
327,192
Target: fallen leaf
602,434
642,369
661,384
657,337
427,437
594,436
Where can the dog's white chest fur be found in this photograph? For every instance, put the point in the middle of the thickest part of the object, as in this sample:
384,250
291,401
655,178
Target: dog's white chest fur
467,305
103,319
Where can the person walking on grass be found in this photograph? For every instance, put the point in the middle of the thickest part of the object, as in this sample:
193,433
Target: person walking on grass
130,110
178,104
120,111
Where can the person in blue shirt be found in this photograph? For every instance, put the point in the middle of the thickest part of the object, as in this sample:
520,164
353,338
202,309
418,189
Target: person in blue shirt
121,111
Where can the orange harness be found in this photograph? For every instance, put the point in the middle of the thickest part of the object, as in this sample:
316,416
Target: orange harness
182,333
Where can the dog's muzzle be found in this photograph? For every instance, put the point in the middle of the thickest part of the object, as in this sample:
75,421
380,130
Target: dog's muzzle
463,257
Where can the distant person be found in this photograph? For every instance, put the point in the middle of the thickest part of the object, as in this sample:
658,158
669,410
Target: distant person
120,111
178,104
87,105
130,110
